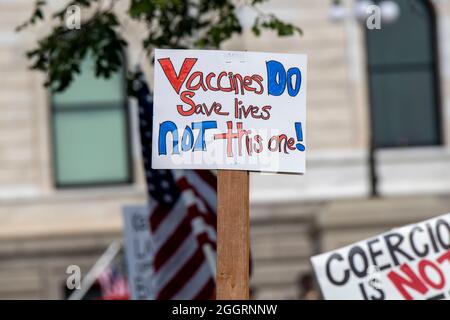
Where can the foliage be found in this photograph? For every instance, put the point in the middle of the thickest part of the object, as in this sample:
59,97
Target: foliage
170,24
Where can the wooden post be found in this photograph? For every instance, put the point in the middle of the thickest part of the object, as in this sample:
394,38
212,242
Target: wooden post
233,235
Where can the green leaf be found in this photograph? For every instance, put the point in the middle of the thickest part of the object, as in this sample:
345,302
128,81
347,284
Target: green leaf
170,24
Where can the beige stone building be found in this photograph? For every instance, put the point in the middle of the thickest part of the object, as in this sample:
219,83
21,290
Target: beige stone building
63,183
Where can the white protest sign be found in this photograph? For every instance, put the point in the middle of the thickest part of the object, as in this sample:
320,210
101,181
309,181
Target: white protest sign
229,110
138,252
408,263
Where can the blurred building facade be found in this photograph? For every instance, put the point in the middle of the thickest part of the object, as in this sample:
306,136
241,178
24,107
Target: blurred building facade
69,162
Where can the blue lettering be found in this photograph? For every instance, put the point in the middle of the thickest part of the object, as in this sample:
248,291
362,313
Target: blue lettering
187,135
187,139
164,129
278,79
293,91
274,69
200,144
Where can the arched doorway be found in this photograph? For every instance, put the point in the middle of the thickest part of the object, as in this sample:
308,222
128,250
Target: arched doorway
403,78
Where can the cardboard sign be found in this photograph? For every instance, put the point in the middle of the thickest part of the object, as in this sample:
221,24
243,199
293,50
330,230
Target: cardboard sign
409,263
138,252
229,110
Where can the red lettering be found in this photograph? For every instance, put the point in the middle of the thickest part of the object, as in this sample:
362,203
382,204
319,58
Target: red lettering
215,107
237,82
199,108
219,80
230,135
194,75
186,98
274,138
291,144
240,111
412,282
247,84
282,143
208,81
423,265
258,79
177,80
444,257
258,146
266,110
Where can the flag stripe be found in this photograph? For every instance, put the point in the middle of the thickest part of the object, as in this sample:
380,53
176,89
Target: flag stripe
180,234
208,177
182,219
207,292
175,262
186,272
196,281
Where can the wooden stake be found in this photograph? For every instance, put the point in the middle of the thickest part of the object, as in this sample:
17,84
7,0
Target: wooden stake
233,235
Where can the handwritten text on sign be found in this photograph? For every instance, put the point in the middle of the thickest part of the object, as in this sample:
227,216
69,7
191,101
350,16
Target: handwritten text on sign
229,110
409,263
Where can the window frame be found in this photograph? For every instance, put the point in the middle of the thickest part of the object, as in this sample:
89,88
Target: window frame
125,107
437,90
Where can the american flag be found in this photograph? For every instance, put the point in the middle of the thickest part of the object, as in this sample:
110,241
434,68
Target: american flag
182,220
113,282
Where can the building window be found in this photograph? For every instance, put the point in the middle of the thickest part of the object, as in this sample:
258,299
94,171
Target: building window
90,131
403,78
